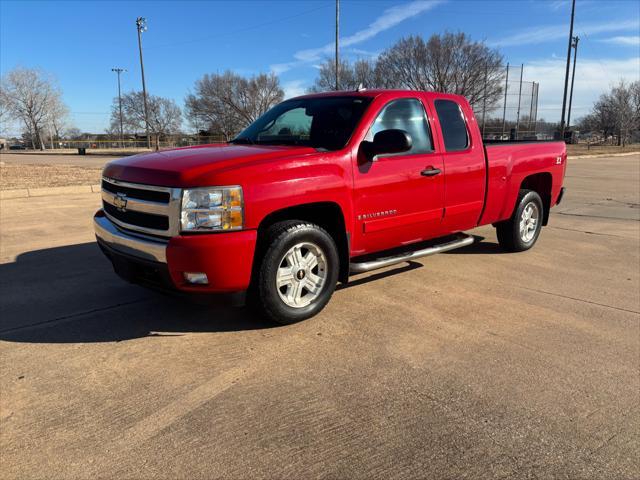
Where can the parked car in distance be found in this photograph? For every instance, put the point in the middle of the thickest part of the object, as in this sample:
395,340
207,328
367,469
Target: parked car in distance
318,189
17,147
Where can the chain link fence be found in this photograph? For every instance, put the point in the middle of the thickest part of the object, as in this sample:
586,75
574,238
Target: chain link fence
515,114
128,144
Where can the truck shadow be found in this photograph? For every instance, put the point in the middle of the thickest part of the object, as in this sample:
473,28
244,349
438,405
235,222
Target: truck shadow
70,294
479,247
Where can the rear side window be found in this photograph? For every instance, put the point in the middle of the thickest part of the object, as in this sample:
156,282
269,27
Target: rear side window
454,128
405,114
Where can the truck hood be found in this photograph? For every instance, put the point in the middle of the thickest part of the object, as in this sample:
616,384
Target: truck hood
193,166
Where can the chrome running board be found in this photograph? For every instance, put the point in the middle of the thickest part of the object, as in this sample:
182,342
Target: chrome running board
462,240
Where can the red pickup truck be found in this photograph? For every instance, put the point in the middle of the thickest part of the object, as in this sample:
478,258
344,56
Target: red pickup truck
319,188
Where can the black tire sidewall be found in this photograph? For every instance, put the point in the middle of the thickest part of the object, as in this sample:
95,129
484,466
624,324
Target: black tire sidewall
273,305
527,197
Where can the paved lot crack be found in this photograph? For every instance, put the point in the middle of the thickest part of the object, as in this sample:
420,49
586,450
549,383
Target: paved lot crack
596,216
586,231
581,300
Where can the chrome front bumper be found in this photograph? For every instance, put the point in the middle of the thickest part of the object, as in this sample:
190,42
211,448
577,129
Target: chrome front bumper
118,240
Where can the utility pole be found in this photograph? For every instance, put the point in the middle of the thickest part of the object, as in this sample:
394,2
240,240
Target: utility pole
337,44
576,39
141,24
566,75
119,71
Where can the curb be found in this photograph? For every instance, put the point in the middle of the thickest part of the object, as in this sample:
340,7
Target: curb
598,155
45,192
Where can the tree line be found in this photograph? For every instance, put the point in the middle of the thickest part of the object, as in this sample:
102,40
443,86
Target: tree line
223,104
616,114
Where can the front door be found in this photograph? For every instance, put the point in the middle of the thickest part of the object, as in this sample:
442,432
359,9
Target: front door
398,198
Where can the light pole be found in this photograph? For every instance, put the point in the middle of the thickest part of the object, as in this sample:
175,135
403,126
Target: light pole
337,44
576,39
141,24
566,75
119,71
504,108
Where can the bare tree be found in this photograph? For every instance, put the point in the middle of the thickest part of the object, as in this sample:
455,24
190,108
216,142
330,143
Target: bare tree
30,97
57,116
72,133
227,103
165,117
361,73
615,113
206,109
5,114
450,63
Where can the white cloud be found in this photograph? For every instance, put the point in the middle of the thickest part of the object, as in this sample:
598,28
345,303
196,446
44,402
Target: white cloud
390,18
558,4
593,77
546,33
359,52
631,40
294,88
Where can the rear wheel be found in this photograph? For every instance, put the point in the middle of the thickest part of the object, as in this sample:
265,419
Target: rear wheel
298,271
522,230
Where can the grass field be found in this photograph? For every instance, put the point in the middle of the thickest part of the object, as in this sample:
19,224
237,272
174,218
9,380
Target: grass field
35,176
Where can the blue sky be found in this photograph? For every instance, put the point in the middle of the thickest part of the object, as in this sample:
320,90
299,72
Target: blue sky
79,42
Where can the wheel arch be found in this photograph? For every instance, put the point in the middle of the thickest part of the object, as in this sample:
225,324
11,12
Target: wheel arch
328,215
542,184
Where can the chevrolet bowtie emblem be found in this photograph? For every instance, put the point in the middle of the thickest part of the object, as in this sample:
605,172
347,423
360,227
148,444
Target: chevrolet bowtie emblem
120,202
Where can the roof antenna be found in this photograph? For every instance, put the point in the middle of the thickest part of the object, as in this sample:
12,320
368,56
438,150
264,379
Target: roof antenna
361,88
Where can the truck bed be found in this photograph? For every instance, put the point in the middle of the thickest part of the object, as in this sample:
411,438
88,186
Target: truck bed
509,163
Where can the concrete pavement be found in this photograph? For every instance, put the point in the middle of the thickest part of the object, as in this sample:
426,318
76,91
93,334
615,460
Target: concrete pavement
471,364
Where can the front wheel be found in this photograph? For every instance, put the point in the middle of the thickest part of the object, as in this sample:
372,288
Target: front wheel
522,230
298,271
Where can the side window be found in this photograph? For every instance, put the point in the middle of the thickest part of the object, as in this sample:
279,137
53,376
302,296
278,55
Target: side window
405,114
454,128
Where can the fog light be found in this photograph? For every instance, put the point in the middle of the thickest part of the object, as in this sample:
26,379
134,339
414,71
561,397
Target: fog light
197,278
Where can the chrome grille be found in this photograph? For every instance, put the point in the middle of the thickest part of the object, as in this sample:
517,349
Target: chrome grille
146,209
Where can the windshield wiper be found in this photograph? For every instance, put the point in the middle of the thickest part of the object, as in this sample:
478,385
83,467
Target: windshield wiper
275,141
242,141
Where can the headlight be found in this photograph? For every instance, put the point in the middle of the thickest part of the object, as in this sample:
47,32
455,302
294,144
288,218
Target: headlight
212,208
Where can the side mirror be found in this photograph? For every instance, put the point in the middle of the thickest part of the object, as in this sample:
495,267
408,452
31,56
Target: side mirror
389,141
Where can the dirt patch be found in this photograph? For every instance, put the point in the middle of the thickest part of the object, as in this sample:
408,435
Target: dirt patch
38,176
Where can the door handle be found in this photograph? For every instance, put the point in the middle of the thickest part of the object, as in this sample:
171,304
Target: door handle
430,172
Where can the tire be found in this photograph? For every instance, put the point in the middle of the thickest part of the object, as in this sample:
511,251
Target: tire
529,209
298,257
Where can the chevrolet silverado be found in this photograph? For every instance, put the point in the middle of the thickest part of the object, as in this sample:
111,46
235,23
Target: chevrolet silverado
319,188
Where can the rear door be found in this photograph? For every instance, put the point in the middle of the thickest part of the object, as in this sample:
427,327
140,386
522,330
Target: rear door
397,198
464,164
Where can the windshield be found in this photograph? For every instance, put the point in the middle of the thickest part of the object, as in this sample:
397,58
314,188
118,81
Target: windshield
324,123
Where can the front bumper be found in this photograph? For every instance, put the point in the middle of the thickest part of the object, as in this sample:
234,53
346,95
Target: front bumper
226,257
117,240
